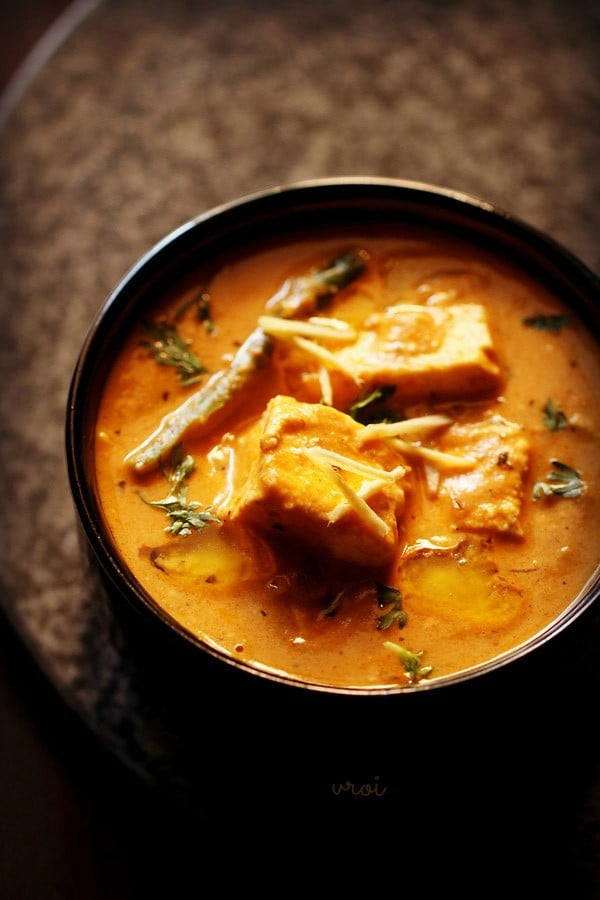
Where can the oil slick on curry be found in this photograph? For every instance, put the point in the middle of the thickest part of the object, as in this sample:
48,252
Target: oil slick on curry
359,461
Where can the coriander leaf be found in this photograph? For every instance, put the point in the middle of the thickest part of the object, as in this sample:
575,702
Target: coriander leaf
183,515
387,596
393,615
411,661
200,301
562,481
553,417
370,408
547,322
168,348
179,467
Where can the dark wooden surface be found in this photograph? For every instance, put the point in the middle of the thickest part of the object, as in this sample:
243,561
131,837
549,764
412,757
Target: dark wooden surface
74,824
22,24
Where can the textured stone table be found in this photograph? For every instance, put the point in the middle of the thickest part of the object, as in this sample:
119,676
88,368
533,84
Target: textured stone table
147,114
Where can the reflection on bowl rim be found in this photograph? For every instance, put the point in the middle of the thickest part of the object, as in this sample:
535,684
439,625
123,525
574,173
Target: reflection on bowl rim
439,206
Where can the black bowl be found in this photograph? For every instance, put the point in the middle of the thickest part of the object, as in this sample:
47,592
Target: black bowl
215,702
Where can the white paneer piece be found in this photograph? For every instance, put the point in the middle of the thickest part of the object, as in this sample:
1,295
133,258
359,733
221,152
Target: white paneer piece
488,497
425,352
311,481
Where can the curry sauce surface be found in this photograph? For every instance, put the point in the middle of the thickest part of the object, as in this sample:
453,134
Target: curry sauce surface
286,607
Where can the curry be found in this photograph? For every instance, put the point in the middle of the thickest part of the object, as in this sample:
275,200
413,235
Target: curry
359,461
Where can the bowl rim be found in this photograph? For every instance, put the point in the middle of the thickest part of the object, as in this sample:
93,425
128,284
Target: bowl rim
272,203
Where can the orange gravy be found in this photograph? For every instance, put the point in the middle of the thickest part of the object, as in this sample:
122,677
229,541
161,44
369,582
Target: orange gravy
290,609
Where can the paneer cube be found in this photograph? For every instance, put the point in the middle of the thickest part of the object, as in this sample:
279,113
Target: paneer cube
425,352
311,482
487,498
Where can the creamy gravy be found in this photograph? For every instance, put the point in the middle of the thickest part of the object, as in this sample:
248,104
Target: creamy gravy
287,607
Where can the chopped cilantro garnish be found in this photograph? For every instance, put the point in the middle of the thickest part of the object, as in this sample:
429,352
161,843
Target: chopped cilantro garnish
411,661
562,480
553,417
183,515
200,303
370,408
168,348
547,322
390,596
